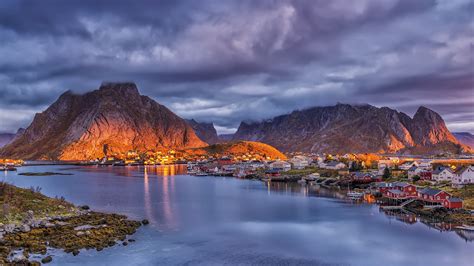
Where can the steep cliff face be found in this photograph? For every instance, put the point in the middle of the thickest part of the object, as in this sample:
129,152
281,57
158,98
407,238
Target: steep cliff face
353,128
78,127
205,131
465,138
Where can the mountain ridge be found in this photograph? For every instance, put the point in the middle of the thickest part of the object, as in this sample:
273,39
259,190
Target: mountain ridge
344,128
115,118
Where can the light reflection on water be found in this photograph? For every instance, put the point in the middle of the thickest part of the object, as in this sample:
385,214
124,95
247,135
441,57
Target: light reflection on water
217,220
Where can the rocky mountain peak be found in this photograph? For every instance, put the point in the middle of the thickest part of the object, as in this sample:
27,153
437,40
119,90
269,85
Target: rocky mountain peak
76,127
122,88
358,128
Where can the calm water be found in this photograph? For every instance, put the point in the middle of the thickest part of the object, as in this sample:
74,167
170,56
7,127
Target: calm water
215,221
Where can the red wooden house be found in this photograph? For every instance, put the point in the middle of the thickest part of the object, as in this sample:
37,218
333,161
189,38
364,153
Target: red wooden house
452,203
224,161
425,175
395,194
433,195
408,189
383,187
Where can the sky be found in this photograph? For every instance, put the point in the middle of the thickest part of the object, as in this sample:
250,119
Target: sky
230,61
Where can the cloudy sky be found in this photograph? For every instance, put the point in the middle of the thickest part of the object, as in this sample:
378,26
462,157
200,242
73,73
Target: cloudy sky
228,61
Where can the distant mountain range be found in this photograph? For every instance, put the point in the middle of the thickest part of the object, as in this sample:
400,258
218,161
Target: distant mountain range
465,138
6,138
205,131
113,119
345,128
116,118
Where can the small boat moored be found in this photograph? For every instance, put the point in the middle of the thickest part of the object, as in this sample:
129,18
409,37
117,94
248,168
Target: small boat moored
355,195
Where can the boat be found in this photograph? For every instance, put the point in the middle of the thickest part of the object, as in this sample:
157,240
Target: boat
355,195
201,174
8,168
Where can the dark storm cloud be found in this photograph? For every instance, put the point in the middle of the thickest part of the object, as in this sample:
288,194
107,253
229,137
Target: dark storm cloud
227,61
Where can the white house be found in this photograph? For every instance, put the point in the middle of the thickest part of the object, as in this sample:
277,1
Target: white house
407,165
464,176
333,165
300,162
414,171
280,166
425,164
443,174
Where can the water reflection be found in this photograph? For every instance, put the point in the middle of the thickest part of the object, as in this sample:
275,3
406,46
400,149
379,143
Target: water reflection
400,216
216,220
167,190
147,198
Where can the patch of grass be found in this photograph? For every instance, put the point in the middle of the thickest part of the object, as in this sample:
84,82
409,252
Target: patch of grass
306,171
15,202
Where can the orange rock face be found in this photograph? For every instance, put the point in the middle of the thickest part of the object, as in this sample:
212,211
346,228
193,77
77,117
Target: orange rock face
238,148
78,127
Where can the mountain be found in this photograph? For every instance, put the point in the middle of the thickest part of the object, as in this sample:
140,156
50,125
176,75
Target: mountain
113,119
226,137
345,128
238,148
465,138
5,138
205,131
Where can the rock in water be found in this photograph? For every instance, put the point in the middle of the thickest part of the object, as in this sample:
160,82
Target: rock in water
78,127
47,259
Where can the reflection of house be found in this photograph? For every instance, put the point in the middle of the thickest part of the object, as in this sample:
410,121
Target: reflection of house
464,176
442,174
466,234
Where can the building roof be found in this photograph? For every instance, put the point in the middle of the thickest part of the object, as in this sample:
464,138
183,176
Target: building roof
441,169
395,191
413,168
454,200
463,169
333,163
401,184
430,191
383,184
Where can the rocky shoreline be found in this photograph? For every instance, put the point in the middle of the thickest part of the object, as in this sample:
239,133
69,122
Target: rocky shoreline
27,241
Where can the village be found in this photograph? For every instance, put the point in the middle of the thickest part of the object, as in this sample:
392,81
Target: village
395,182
